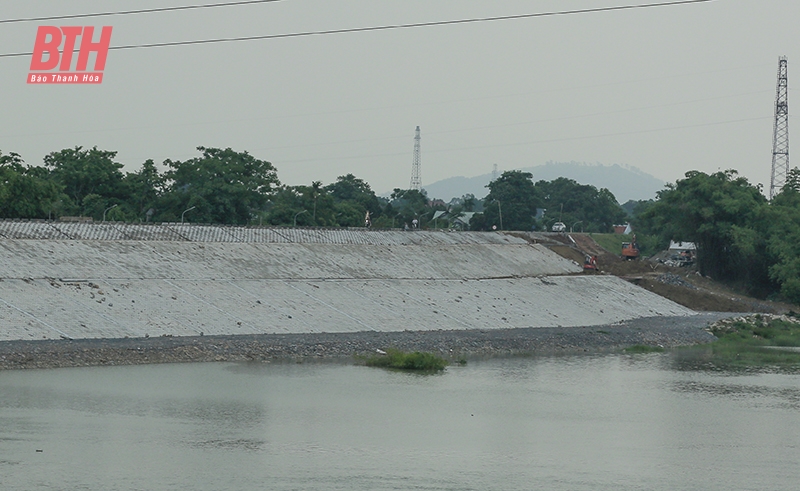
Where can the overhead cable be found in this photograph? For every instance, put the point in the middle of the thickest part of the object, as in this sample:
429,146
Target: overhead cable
129,12
393,26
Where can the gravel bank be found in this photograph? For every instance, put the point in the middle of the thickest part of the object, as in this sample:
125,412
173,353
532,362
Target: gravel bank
664,331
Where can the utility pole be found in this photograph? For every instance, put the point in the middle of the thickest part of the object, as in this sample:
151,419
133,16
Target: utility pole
780,134
416,172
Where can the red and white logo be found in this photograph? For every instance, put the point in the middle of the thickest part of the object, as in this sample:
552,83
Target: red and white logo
51,66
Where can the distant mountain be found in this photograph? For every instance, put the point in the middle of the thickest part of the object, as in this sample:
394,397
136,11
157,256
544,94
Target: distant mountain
627,183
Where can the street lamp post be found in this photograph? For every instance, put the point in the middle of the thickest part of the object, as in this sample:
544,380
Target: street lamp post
298,213
422,215
573,226
499,211
104,211
184,212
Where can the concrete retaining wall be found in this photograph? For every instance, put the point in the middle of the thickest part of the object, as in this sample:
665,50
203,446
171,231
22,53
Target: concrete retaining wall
379,281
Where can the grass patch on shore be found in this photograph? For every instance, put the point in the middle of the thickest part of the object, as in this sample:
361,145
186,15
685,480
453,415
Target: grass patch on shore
611,242
755,342
402,360
643,348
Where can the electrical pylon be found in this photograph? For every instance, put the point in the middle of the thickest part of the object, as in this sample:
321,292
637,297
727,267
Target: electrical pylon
780,134
416,171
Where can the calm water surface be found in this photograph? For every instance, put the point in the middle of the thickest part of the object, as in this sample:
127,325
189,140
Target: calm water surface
613,422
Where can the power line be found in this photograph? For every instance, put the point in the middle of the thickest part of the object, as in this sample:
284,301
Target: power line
393,26
533,142
129,12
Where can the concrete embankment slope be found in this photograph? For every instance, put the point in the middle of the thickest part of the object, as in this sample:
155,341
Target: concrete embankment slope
115,281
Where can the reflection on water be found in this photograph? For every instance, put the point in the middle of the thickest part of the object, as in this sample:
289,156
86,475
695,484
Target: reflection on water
558,423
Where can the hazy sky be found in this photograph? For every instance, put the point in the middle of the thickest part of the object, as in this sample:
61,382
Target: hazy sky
666,89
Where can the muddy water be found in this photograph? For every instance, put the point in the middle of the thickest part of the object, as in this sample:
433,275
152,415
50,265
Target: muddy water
611,422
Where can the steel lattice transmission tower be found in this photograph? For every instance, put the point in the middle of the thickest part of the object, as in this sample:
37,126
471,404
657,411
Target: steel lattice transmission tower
780,135
416,171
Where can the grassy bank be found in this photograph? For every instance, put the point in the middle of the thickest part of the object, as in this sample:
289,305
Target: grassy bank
755,341
611,242
407,361
648,244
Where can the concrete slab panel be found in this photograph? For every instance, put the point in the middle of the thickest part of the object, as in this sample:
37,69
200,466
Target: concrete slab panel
184,280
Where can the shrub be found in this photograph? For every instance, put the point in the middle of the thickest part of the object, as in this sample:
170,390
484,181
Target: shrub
754,343
407,361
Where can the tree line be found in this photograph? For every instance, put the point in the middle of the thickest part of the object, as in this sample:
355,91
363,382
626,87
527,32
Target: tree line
228,187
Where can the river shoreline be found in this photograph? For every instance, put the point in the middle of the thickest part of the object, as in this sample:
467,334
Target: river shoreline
661,331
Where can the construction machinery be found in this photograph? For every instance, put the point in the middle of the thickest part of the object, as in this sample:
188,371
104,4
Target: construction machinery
630,250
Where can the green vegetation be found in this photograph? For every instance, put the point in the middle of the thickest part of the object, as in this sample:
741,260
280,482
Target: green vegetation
219,186
584,206
408,361
742,238
516,197
224,186
648,244
643,348
752,343
611,242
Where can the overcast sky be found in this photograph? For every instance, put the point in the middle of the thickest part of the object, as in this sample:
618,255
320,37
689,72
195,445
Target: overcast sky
667,89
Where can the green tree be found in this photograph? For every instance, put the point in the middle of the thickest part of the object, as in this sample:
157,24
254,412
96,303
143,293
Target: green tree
792,180
285,202
409,205
570,202
351,188
26,191
781,227
224,186
716,212
349,214
512,201
351,194
144,190
468,202
319,203
83,172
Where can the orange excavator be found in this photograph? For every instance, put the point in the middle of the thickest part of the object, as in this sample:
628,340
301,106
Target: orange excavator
630,250
590,264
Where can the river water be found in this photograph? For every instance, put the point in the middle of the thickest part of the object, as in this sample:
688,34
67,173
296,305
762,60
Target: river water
610,422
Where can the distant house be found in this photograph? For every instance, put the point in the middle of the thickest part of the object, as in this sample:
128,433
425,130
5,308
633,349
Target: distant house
681,246
681,253
623,229
440,218
460,221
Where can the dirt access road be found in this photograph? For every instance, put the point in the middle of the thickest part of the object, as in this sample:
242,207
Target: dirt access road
683,285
